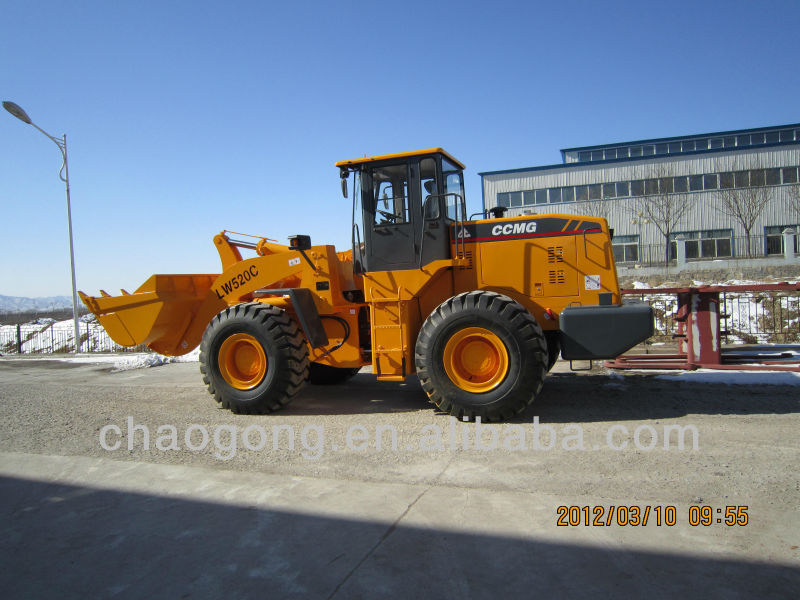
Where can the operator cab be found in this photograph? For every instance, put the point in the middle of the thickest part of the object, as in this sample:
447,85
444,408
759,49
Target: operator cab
403,208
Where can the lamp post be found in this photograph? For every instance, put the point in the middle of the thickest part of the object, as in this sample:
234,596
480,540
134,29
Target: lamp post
63,174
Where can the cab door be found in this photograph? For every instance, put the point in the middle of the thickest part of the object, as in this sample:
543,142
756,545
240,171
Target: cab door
389,220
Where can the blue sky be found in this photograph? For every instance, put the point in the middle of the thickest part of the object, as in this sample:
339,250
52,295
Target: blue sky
186,118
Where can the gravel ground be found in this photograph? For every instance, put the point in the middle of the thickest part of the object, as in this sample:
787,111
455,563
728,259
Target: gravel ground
746,453
747,434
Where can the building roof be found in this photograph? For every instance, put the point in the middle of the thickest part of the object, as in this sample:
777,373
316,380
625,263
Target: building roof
629,159
684,137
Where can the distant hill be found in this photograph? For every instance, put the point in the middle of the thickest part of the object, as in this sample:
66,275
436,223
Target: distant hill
13,304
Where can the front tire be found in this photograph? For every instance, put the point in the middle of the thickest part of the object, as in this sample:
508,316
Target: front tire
253,358
481,354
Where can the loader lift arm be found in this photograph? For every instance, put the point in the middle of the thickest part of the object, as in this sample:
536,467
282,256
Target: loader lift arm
169,313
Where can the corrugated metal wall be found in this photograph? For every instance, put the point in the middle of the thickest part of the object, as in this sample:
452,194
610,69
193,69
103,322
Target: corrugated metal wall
622,213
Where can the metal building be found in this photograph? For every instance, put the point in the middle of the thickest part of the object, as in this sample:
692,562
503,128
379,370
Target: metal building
705,188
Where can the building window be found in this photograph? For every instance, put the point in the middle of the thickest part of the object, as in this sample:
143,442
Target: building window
773,176
642,187
508,199
715,243
710,181
741,179
743,140
773,238
626,248
725,180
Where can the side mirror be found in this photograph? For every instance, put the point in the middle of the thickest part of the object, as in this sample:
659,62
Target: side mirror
343,175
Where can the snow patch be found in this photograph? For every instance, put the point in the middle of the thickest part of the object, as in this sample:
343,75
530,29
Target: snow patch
127,361
728,377
145,361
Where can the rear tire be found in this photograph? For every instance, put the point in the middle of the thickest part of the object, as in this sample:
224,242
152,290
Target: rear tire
481,354
326,375
253,358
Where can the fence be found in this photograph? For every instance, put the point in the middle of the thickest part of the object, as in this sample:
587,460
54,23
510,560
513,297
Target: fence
50,338
745,317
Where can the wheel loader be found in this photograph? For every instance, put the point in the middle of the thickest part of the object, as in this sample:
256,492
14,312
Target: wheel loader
478,309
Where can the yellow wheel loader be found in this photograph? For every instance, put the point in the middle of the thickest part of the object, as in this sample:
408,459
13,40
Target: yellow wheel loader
478,309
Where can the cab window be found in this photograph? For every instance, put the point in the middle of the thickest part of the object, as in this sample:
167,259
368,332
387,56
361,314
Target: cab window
430,192
453,190
390,194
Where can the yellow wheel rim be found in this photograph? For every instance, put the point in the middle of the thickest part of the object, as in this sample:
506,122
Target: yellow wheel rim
242,361
476,360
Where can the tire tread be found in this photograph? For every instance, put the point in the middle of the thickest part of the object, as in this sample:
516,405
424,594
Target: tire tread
482,302
289,340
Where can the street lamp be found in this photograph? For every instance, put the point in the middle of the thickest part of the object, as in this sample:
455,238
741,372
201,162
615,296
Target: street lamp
63,174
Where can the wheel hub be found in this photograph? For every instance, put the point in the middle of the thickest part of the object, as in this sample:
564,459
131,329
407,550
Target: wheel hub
475,359
242,361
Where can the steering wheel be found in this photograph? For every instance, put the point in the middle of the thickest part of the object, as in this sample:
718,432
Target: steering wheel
390,217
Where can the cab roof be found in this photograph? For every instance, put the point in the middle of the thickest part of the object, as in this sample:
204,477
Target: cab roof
369,159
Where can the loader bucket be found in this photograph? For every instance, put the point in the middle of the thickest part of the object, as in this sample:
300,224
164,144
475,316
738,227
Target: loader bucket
157,314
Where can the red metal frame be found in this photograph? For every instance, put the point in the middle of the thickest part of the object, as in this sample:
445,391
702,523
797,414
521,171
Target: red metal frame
698,318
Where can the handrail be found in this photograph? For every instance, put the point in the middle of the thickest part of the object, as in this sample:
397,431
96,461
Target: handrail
589,230
356,240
